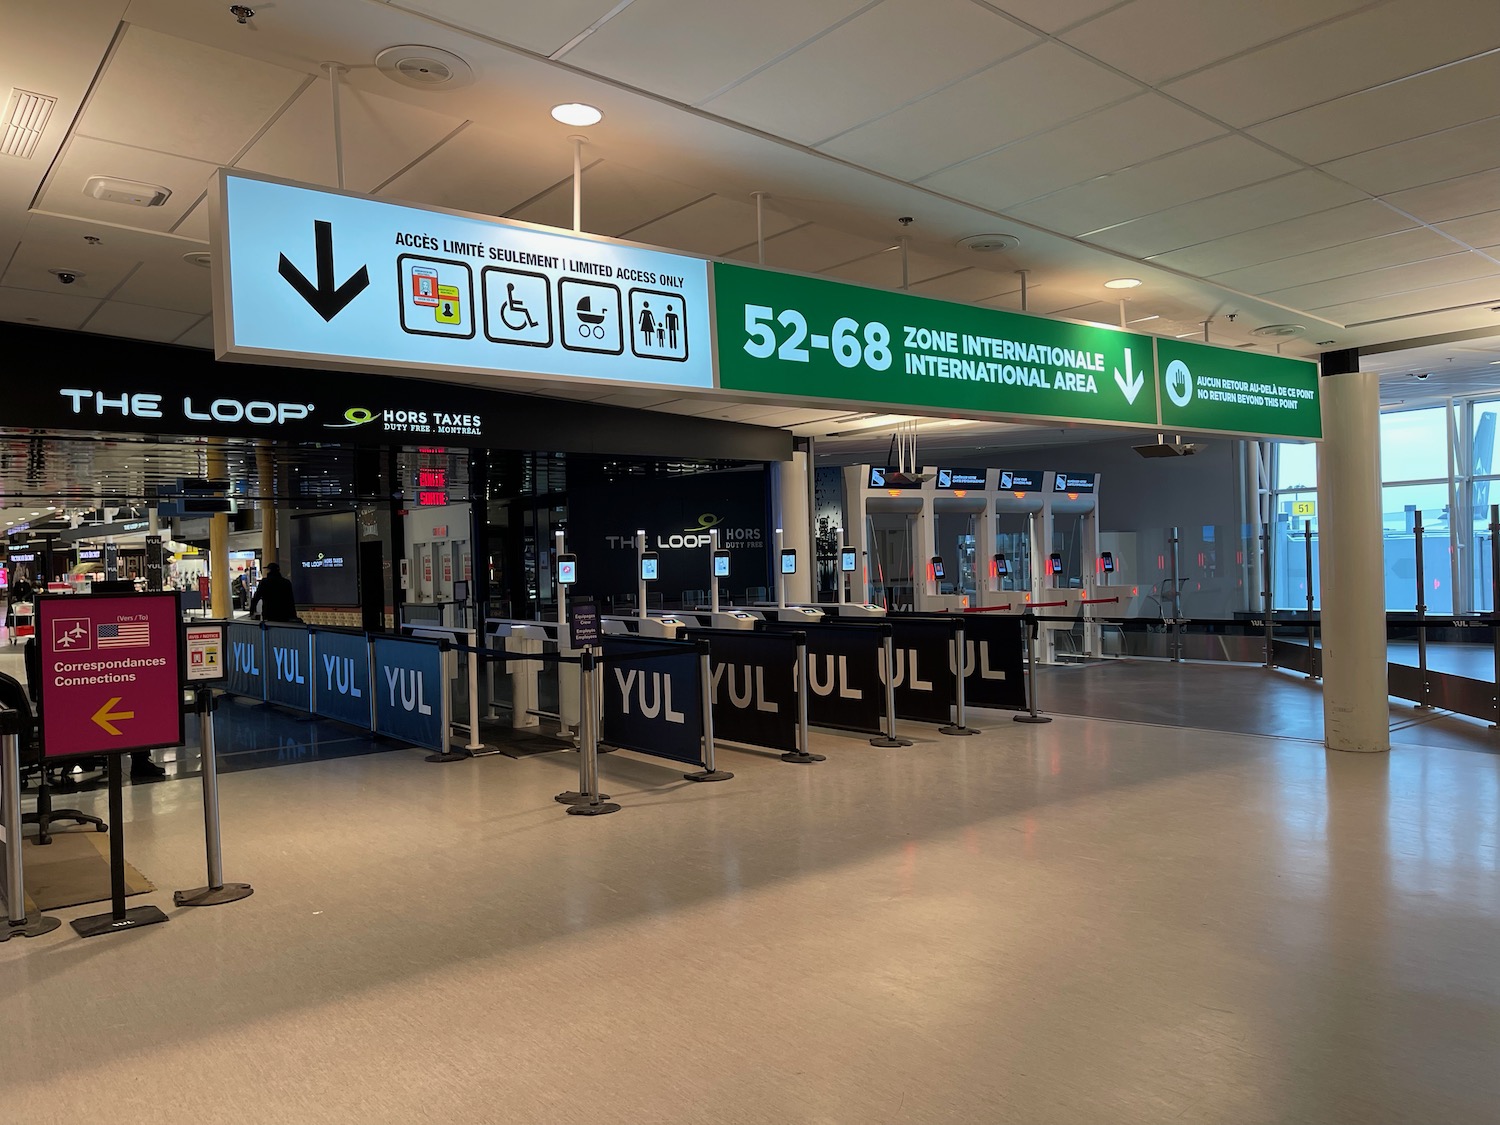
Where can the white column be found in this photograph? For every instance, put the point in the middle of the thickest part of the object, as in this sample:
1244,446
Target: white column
1356,708
792,517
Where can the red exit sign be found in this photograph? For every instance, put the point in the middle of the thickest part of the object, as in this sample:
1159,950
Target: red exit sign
432,478
430,499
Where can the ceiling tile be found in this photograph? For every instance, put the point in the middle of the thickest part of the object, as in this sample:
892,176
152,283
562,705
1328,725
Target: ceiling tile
200,335
98,270
86,157
1053,15
616,197
1385,282
1379,44
483,171
172,95
866,67
812,249
54,310
1258,205
1400,111
537,27
1452,199
1207,169
1423,160
1404,304
1476,230
1281,240
381,136
711,227
668,46
1113,138
169,284
969,285
140,322
1035,90
1341,260
1158,39
884,269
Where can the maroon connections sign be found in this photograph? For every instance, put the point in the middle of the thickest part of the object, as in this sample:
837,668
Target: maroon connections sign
111,673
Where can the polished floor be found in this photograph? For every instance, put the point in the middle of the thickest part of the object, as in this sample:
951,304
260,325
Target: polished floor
1091,921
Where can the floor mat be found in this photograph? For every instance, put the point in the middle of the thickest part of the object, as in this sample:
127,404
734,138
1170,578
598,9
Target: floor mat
73,870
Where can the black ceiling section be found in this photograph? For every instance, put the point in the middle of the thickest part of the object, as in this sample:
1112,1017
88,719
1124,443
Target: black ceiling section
78,382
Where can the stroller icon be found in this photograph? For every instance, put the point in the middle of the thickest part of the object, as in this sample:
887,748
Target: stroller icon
592,323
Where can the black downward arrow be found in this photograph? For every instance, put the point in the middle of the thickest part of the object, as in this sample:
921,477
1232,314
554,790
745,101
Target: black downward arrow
326,299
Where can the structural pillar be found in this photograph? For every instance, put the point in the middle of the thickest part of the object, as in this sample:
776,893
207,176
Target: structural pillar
1351,557
792,517
220,604
265,485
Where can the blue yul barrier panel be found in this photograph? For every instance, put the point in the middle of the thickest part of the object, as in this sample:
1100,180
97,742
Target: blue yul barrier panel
289,666
653,705
408,683
341,671
247,660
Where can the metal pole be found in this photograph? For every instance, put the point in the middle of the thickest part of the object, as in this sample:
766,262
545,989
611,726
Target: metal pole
1312,648
710,771
588,801
335,75
1495,599
1265,596
890,738
803,752
18,923
760,229
640,580
713,578
217,890
473,658
1029,626
1418,532
1022,274
781,575
1176,602
905,263
960,722
577,183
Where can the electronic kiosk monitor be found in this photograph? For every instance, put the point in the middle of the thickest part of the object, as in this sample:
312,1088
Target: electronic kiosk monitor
789,560
567,570
1107,562
721,564
937,569
848,560
650,567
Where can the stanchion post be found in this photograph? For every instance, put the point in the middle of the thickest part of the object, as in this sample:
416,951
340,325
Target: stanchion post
1312,642
446,753
1418,532
588,801
1495,607
803,753
217,891
1030,626
709,772
473,657
889,737
960,719
1265,595
1176,601
119,917
17,923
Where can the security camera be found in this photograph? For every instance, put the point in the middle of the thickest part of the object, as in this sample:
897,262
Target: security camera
66,278
1423,374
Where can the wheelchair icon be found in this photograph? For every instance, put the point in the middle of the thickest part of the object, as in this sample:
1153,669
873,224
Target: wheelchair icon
514,308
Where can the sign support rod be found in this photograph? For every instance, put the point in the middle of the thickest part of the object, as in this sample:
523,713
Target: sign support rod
336,73
577,183
760,227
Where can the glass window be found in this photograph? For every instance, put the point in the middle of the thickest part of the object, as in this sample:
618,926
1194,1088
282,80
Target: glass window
1486,416
1414,445
1296,466
1399,506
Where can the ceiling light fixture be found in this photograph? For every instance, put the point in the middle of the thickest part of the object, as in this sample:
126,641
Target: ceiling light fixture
1185,335
1123,283
577,114
1143,319
1280,330
989,243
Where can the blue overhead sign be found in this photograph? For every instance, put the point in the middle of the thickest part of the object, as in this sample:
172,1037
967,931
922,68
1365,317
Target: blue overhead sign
308,276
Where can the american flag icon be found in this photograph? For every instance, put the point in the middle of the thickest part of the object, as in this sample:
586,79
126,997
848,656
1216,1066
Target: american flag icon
135,634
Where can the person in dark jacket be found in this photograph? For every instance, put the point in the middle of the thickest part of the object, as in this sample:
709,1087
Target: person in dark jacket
274,596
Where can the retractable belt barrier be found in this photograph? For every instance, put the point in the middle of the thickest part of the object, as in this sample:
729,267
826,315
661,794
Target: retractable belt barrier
656,701
18,922
756,688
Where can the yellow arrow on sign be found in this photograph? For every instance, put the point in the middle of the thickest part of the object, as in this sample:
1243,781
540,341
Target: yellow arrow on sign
106,717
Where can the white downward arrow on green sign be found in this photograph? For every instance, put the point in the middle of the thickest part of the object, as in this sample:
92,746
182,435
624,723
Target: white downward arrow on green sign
1131,382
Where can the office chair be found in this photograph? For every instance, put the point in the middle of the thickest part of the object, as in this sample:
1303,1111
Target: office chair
13,696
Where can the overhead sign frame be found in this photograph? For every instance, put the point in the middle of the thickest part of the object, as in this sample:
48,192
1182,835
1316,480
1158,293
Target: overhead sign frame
311,276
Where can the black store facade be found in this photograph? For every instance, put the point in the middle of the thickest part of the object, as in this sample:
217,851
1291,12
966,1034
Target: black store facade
390,492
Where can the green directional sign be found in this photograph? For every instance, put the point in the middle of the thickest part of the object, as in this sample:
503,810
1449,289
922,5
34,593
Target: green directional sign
1208,388
784,334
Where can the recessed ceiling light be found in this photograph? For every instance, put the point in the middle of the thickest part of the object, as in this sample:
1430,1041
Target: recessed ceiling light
1123,283
1280,330
198,258
577,114
1143,319
989,243
1185,335
1324,343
